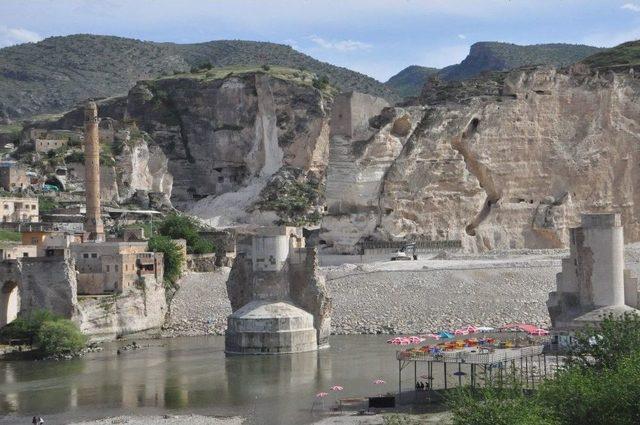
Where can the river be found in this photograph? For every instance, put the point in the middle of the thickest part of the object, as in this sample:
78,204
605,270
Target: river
192,375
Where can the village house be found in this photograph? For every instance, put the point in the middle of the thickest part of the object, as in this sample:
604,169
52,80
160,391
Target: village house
113,267
46,145
14,210
13,178
47,240
12,250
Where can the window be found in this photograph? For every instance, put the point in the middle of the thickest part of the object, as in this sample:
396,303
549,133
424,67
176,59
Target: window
94,255
25,254
107,266
34,241
85,255
116,266
126,267
33,207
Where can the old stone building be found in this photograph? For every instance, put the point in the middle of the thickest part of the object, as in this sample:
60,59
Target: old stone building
594,282
46,145
15,210
47,238
114,267
12,250
13,178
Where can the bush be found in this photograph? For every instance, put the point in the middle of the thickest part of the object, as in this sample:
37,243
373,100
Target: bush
46,204
75,156
60,336
9,235
177,226
50,333
321,83
173,257
600,385
266,67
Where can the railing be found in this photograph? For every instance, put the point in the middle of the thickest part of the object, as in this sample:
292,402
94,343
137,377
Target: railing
467,357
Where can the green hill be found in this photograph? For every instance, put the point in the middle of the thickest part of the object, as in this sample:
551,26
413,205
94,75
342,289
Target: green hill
56,73
625,54
410,80
494,56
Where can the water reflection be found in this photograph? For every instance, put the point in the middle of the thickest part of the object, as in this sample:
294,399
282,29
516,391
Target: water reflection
192,374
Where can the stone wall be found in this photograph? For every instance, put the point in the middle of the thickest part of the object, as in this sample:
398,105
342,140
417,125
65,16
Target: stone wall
43,283
201,263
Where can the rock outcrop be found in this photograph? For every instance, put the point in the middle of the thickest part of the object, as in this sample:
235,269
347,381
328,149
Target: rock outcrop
511,165
141,308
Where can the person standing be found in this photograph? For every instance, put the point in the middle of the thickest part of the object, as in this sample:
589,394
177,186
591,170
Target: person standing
34,421
40,421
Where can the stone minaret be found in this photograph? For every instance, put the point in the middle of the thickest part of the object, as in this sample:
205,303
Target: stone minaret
93,222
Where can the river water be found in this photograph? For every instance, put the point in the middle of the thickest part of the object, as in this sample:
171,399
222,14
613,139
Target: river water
192,375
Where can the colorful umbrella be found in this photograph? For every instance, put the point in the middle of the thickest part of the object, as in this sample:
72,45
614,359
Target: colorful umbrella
322,395
415,339
336,388
378,382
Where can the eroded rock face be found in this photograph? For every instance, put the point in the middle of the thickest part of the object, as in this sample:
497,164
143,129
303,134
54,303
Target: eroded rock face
134,311
224,138
506,170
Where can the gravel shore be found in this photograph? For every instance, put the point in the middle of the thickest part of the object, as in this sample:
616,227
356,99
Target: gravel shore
397,297
164,420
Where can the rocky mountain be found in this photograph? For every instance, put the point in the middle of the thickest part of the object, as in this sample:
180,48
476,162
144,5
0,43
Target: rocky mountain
409,81
506,161
221,143
54,74
494,56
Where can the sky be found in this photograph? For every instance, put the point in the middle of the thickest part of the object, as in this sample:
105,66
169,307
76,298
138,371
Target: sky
375,37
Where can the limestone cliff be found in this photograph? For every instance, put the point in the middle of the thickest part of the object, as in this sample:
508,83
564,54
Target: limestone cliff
141,308
213,142
506,162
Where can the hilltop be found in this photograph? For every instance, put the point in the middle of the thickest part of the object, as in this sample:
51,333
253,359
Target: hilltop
494,56
625,54
410,80
54,74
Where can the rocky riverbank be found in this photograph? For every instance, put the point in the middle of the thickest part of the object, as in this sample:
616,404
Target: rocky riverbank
398,297
165,420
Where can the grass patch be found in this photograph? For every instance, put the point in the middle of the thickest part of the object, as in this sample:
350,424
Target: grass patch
10,236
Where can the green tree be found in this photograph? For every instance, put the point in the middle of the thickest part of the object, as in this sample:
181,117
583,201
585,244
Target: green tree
173,257
60,336
178,226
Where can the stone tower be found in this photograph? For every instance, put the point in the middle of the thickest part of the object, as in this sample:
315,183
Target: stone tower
593,282
93,222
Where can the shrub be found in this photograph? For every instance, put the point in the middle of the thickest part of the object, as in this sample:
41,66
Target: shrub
60,336
46,204
75,156
321,83
266,67
173,258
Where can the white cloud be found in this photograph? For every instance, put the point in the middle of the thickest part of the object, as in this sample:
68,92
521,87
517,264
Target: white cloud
11,36
462,36
340,45
631,6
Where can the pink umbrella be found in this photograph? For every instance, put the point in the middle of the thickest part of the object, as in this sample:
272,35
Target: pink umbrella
396,341
415,339
460,332
434,336
322,395
472,329
336,388
378,382
405,341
